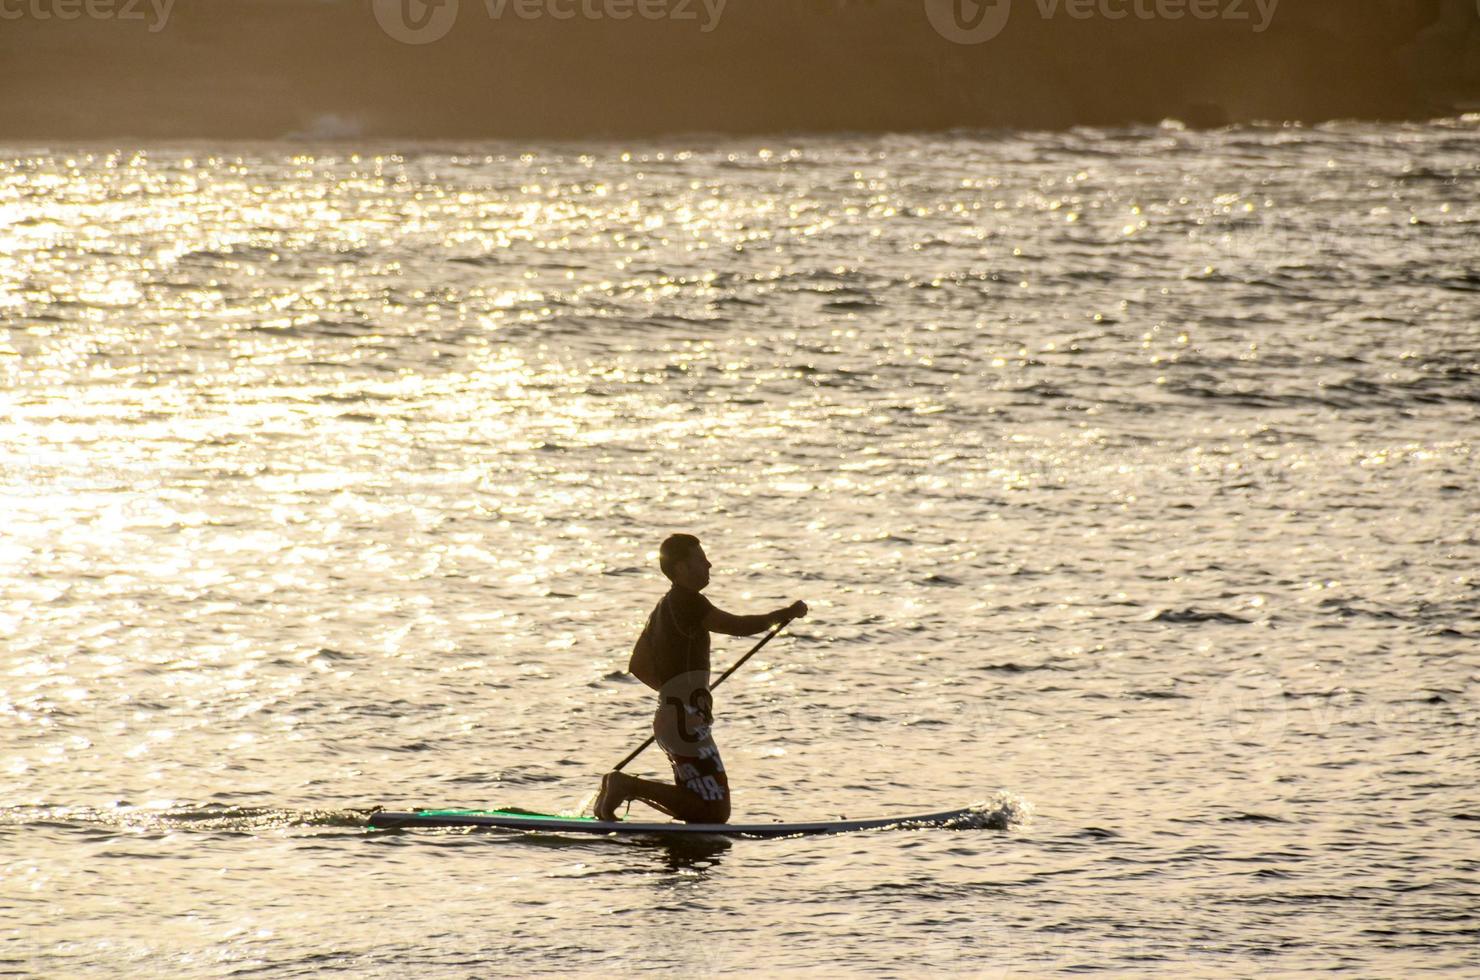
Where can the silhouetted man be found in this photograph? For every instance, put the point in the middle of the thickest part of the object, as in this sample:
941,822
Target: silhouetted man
672,658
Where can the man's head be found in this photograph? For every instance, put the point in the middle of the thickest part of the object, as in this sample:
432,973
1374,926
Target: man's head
683,561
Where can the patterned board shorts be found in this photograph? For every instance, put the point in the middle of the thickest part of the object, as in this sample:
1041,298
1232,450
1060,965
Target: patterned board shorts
684,735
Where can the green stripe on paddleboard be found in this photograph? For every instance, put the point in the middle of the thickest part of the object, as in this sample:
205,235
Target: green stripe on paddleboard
521,814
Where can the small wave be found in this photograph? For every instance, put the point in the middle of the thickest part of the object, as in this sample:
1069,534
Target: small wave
1345,607
238,252
1003,811
1095,833
208,817
319,327
1422,174
1190,615
1013,668
1273,874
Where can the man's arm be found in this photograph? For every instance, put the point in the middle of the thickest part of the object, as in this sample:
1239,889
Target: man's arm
719,621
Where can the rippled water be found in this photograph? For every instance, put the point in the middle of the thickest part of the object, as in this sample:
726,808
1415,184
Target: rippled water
1130,476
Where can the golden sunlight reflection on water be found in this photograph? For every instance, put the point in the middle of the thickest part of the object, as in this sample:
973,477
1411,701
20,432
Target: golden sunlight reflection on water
1128,472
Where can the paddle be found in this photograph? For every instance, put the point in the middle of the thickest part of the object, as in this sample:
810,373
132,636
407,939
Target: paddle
734,667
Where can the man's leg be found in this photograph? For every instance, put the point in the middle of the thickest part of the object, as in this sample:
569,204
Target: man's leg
699,793
618,788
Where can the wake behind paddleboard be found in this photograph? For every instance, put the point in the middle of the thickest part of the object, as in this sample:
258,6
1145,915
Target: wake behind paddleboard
511,819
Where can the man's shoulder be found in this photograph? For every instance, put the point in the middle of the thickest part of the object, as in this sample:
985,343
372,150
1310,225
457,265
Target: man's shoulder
687,599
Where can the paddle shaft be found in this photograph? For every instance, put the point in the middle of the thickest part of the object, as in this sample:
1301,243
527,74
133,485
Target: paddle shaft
733,667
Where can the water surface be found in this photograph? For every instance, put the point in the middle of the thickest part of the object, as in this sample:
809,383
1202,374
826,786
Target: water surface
1129,474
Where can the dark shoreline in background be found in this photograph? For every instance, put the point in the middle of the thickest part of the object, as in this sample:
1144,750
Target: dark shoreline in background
270,69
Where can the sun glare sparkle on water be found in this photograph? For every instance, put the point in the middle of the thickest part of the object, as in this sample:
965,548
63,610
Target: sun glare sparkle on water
1127,471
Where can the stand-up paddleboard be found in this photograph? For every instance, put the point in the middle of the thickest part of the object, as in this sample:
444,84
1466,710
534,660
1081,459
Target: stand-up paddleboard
511,819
